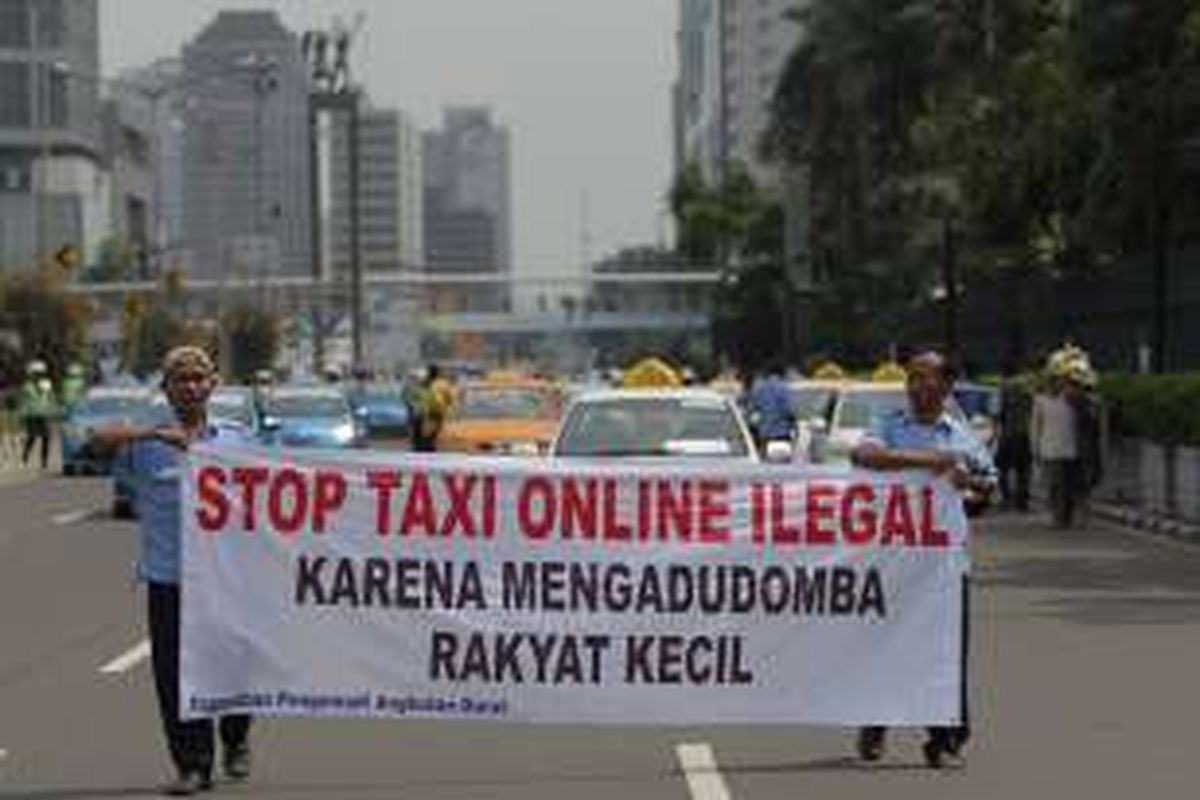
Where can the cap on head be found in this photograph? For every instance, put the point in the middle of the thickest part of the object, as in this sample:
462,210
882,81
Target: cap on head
187,356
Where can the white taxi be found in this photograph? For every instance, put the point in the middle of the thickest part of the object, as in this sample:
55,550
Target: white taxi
653,422
850,413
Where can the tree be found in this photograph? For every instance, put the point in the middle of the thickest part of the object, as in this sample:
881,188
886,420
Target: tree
151,330
253,337
716,222
50,323
115,262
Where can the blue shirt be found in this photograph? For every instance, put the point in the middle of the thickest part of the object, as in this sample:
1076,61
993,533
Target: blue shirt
772,408
157,469
900,430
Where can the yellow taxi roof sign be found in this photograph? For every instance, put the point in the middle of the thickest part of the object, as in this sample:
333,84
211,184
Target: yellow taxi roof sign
650,372
829,371
507,376
889,372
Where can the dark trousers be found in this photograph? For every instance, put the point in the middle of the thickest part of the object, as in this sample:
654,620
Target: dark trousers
37,428
1014,460
953,737
190,742
1065,483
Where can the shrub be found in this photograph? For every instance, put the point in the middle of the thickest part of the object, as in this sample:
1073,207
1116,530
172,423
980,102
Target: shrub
1160,408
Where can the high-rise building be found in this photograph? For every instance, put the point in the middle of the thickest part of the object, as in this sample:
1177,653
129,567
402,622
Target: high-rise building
391,221
391,224
148,103
699,135
731,54
51,182
467,205
246,148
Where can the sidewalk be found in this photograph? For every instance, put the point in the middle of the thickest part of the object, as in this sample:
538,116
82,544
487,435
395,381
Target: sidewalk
1135,517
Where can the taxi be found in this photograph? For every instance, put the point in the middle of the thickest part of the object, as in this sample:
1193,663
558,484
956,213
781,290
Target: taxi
101,407
504,414
853,409
654,422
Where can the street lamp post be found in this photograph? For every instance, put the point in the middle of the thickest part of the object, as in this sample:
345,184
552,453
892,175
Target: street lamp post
333,91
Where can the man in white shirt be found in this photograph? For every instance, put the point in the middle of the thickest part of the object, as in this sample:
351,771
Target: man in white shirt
1053,433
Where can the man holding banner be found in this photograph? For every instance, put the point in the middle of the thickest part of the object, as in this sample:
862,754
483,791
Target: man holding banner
157,454
925,437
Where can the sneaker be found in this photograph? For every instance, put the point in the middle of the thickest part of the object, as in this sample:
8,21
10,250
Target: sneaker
870,743
188,784
237,762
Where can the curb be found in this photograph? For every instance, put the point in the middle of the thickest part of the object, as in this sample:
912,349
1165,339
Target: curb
1146,521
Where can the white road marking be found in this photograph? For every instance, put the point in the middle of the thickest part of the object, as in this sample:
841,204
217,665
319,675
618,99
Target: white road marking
71,517
128,660
700,770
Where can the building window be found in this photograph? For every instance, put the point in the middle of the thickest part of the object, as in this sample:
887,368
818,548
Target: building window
14,23
15,111
58,97
50,23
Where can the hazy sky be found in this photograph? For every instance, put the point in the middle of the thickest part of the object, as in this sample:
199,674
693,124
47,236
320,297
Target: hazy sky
583,85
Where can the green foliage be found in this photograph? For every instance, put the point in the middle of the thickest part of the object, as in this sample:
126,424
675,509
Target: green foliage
149,334
116,262
1159,408
48,323
1056,135
253,336
748,315
730,220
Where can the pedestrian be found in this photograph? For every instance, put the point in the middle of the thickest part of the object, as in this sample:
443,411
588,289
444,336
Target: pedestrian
74,385
156,456
1054,436
1014,454
434,398
414,401
1091,429
772,408
925,437
37,409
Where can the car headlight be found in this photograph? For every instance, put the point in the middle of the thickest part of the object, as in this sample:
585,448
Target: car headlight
522,448
344,433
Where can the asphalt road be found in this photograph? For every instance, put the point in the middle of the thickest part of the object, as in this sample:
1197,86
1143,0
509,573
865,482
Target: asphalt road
1087,684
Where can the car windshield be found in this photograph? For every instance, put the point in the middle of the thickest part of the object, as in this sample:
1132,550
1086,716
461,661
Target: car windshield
861,408
232,407
307,405
660,426
811,402
111,406
380,396
494,403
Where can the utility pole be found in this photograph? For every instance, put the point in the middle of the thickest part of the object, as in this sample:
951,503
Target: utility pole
43,119
1160,225
950,281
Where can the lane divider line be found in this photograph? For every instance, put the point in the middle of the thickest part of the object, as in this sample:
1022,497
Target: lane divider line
700,770
128,660
71,517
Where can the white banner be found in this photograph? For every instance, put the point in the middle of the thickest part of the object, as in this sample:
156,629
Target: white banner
380,584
